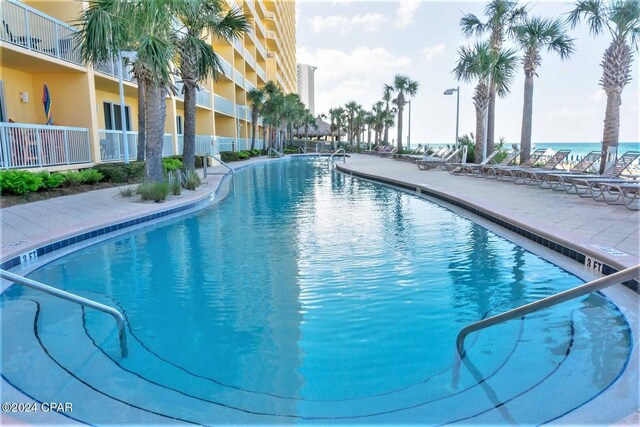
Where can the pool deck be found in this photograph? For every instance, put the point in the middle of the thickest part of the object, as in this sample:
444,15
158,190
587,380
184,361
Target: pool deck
605,232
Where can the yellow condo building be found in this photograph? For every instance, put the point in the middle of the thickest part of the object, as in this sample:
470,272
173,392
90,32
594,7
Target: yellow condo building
38,48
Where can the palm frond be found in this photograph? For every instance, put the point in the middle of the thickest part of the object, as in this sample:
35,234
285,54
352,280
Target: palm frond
470,24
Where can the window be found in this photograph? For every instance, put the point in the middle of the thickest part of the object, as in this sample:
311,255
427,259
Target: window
179,128
113,118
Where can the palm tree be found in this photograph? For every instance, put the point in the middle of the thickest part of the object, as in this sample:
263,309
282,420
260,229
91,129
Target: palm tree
307,121
482,64
503,16
256,100
622,19
337,118
196,20
351,107
534,35
272,109
109,27
387,96
404,87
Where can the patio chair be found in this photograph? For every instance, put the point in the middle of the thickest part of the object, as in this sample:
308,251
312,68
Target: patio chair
529,175
387,151
374,150
461,168
581,184
496,171
417,153
617,194
549,179
25,41
478,169
434,162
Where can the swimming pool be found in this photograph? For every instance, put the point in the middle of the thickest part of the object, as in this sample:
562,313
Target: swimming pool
310,296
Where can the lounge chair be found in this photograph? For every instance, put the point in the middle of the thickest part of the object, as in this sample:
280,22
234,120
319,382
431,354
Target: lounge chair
529,175
588,164
374,150
479,169
387,151
433,162
465,168
617,193
417,153
497,171
581,184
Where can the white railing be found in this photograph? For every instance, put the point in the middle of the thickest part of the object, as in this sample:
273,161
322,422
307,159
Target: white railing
271,34
226,143
244,143
281,82
237,43
241,112
110,67
203,98
227,69
259,143
251,6
29,28
261,49
180,143
262,8
112,146
223,105
30,146
261,72
179,90
167,145
250,59
248,85
270,15
205,144
239,78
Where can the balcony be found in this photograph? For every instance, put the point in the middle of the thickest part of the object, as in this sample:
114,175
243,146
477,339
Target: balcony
31,29
261,49
261,6
261,26
223,105
111,68
227,69
270,15
239,78
249,58
248,85
112,146
261,73
34,146
203,98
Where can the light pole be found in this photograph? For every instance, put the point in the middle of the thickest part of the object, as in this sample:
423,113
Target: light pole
125,141
409,129
450,92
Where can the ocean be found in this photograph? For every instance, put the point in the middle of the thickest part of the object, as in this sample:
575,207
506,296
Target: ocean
579,149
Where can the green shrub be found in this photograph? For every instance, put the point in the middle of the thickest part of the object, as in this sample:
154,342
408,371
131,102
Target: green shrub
291,151
242,155
73,179
91,176
156,191
199,160
51,180
171,164
121,172
127,192
229,156
191,180
175,178
19,182
256,152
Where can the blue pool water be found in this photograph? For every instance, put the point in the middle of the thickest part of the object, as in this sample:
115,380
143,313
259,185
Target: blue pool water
310,296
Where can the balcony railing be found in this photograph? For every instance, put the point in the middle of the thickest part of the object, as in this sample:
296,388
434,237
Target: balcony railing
251,6
203,98
261,26
239,78
112,146
237,43
243,144
32,146
261,72
31,29
205,144
270,15
261,6
223,105
179,88
241,112
167,145
249,58
248,85
261,49
111,68
271,34
226,143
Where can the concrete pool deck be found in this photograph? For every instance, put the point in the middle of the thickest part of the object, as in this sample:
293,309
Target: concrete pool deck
605,232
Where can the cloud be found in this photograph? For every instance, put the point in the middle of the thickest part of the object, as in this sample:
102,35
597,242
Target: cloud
369,22
433,51
356,74
598,95
405,15
572,113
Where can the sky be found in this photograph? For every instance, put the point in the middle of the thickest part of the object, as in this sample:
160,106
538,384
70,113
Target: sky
357,46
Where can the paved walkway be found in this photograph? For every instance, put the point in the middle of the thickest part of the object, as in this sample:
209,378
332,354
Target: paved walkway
32,225
596,228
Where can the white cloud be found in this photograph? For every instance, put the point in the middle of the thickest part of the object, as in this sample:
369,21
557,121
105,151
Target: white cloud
598,95
433,51
351,75
369,22
572,113
405,15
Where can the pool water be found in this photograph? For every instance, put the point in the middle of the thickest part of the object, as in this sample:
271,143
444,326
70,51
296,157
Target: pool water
310,296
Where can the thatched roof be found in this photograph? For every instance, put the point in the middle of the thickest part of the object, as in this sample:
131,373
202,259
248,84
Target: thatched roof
321,128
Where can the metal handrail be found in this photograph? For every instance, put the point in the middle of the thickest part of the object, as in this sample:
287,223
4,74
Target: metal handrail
595,285
275,151
119,318
344,157
204,166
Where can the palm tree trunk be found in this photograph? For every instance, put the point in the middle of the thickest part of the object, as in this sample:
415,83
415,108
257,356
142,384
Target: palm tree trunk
141,120
400,110
264,136
386,127
189,137
611,132
491,119
254,122
480,119
527,118
156,111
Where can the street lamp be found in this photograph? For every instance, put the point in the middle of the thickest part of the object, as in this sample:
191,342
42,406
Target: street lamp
450,92
409,130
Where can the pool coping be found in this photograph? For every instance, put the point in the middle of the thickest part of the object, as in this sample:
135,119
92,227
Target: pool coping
573,250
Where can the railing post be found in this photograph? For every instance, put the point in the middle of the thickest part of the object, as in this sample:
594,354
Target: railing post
6,155
28,29
39,146
57,41
66,146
